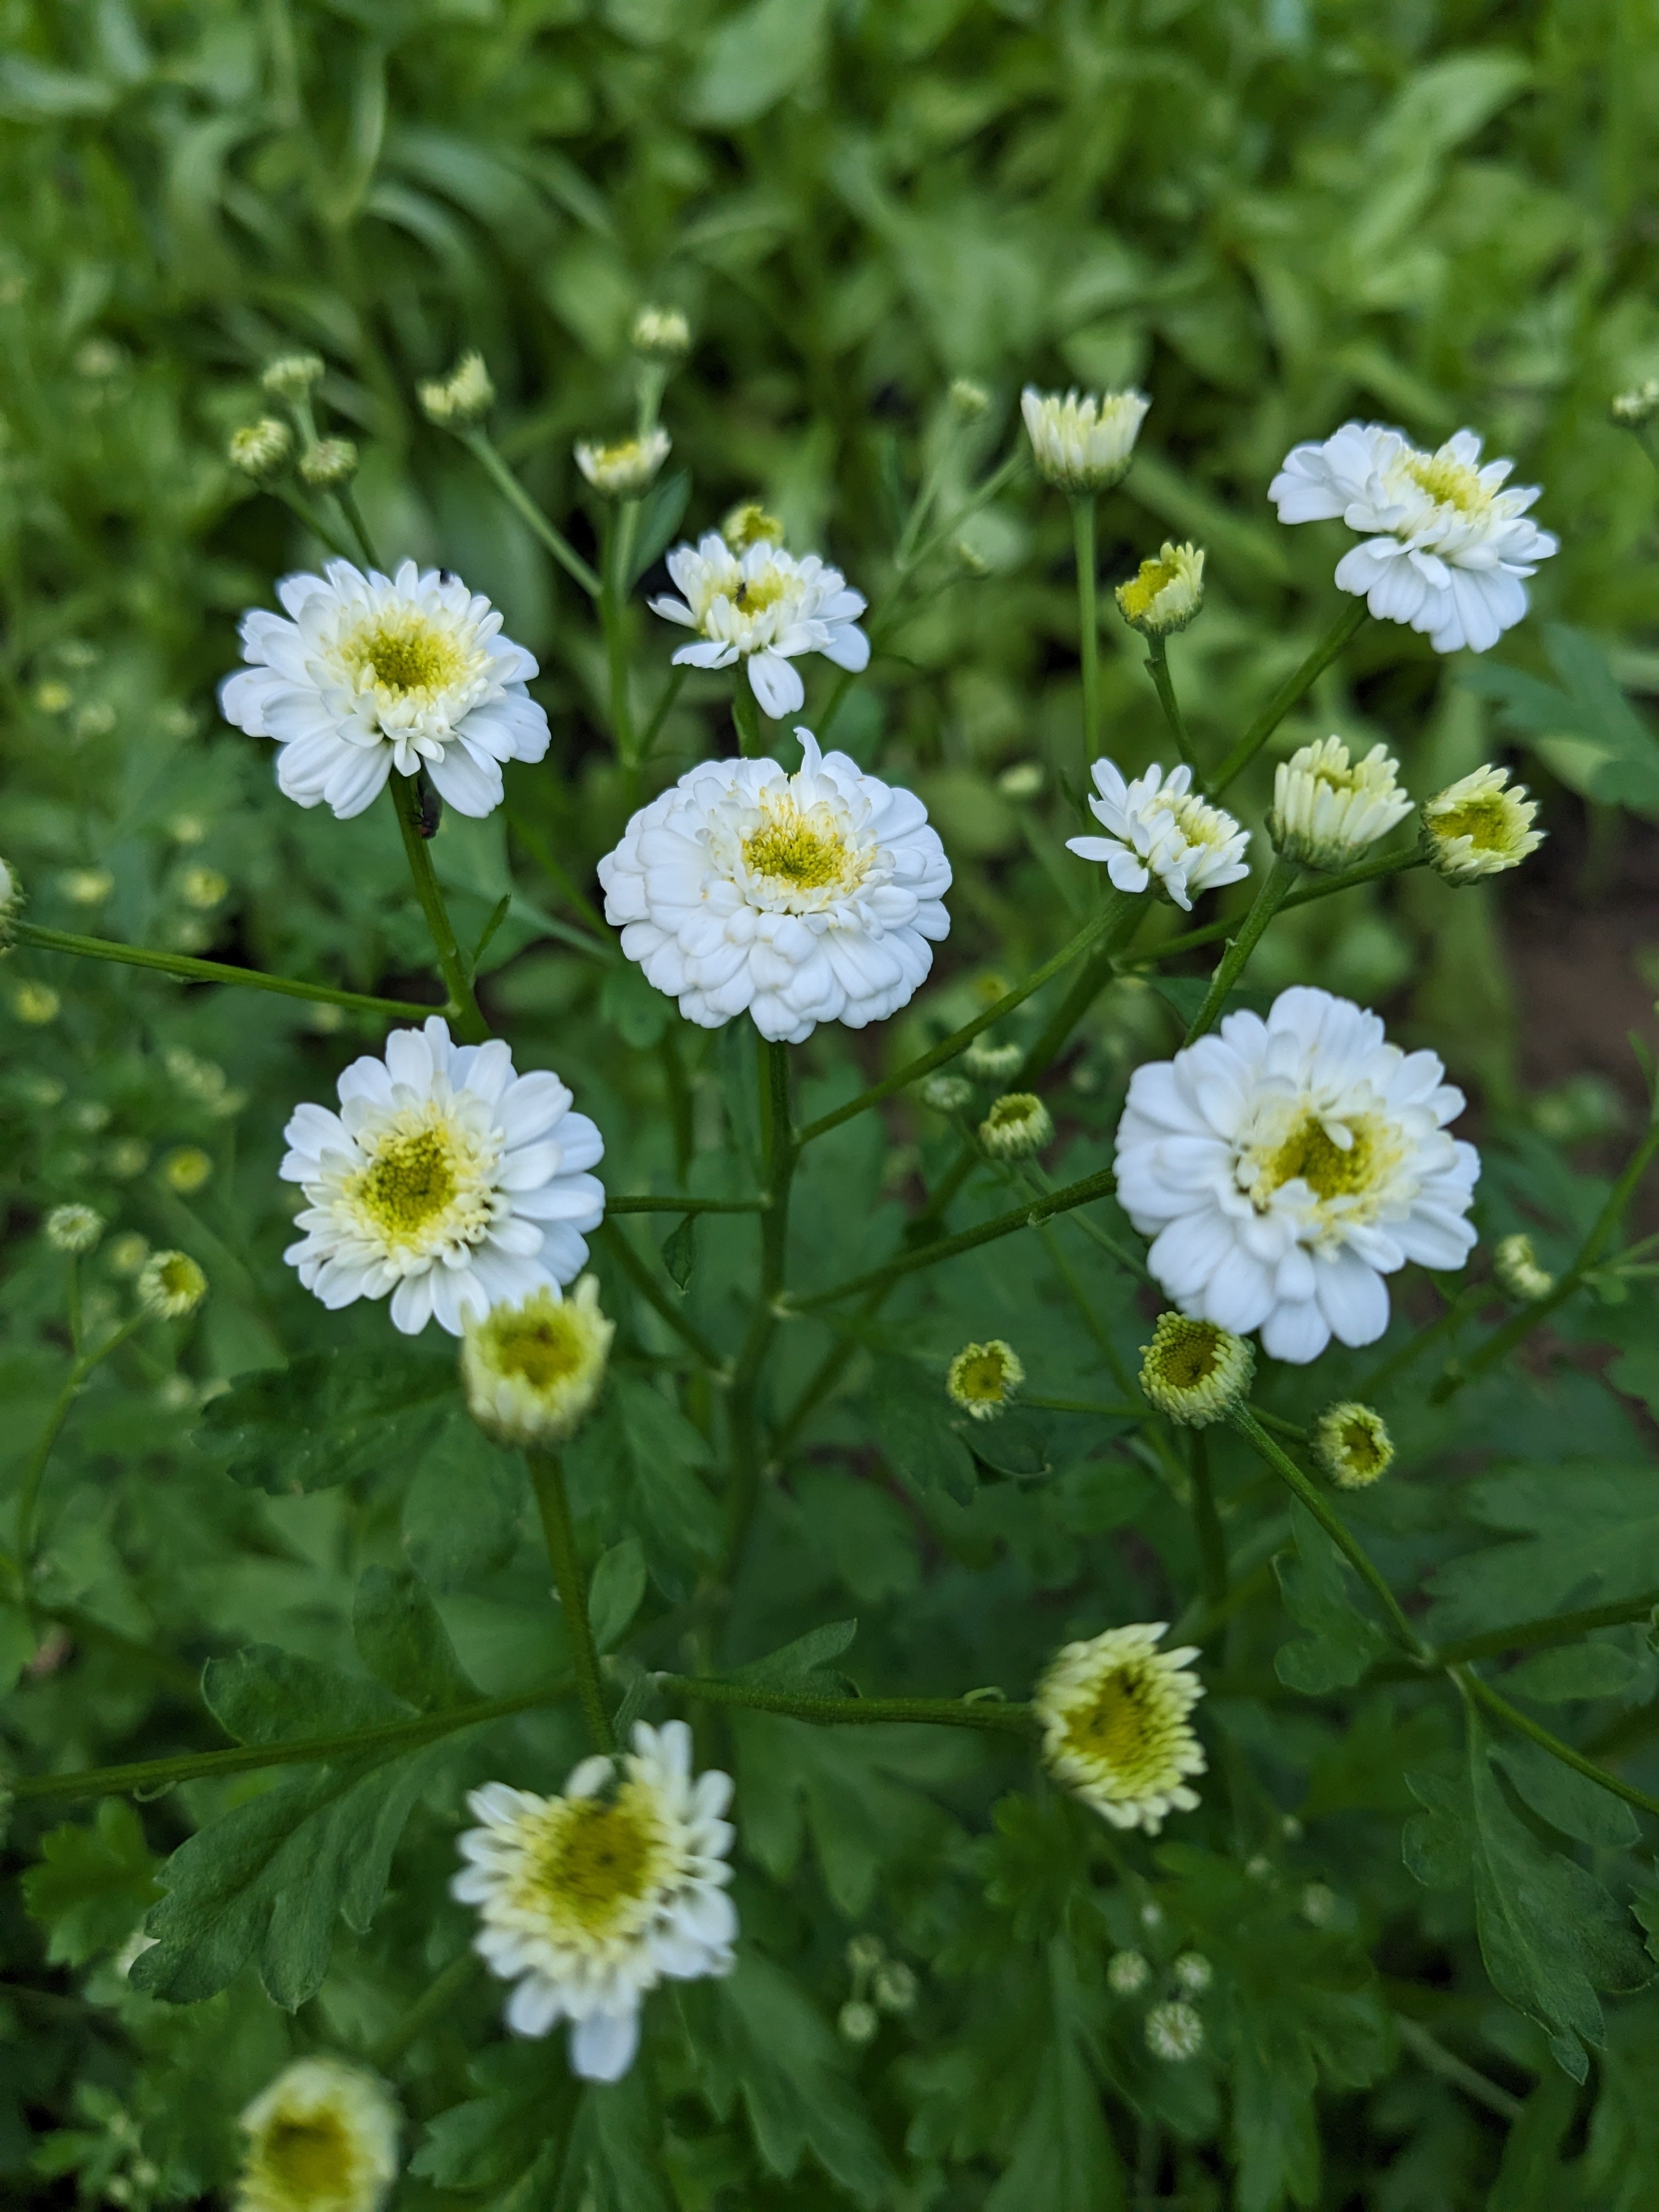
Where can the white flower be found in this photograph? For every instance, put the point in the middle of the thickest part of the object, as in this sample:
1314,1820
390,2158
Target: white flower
1283,1167
1325,812
74,1228
622,471
445,1178
1128,1973
1161,828
375,673
322,2137
1479,826
1084,441
1115,1727
798,899
1193,1972
1445,547
1164,594
766,608
589,1899
532,1371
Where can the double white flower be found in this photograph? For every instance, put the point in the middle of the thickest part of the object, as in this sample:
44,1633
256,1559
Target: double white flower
797,899
376,673
1160,828
1445,547
765,608
1283,1167
446,1178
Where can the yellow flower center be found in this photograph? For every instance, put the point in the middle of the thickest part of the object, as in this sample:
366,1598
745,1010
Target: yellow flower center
544,1347
1448,483
405,653
1484,822
982,1376
1198,824
1117,1726
1187,1352
596,1859
1360,1447
618,456
426,1182
1312,1153
755,594
1141,593
311,2160
790,849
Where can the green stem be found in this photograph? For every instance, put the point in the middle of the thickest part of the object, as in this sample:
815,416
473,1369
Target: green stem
28,1495
1557,1628
354,514
1292,688
1520,1325
1157,667
1439,2060
948,1047
993,1715
547,1475
1256,1437
779,1152
477,443
746,715
616,1243
1500,1707
147,1774
1276,885
659,714
618,520
1088,623
469,1022
429,2008
651,1203
1206,1523
1368,871
1107,1413
212,971
1098,1185
1451,1316
313,521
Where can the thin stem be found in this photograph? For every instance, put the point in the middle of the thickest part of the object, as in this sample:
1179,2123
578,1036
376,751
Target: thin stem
1452,1313
1520,1325
1107,1413
1514,1718
1368,871
659,714
347,500
147,1774
1088,620
1276,885
1435,2056
746,715
657,1298
1257,1438
28,1495
430,2007
948,1047
1157,667
313,521
477,443
213,971
1097,1185
993,1715
547,1475
617,532
1556,1628
780,1151
1292,688
1206,1523
469,1021
651,1203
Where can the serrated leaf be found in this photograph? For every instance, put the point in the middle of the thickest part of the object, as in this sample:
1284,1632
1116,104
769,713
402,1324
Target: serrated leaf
506,2141
402,1642
615,1593
909,1419
1064,2157
633,1468
327,1419
793,1666
1584,1533
1320,1593
94,1882
679,1251
1576,1670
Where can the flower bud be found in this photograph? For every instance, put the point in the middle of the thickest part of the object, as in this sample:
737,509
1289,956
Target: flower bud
465,396
291,375
859,2022
626,469
1128,1973
128,1253
11,901
1479,826
750,524
321,2137
260,448
865,1952
36,1004
1174,2032
1194,1371
947,1094
1165,594
894,1986
1084,443
328,464
967,400
1633,409
170,1285
1193,1972
203,888
87,886
983,1379
1018,1126
1021,779
532,1371
1326,813
187,1171
1317,1904
74,1228
1515,1265
990,1063
1351,1443
661,334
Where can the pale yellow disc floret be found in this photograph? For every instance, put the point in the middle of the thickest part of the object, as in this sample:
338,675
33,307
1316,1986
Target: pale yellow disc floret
532,1371
983,1378
1194,1371
1479,826
1114,1717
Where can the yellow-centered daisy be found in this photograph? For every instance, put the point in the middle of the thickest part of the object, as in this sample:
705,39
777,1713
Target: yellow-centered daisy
1113,1713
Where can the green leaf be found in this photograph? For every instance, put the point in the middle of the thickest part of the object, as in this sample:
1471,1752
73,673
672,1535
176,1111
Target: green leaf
1320,1594
633,1469
1064,2157
465,1505
402,1642
1569,1800
506,2142
628,1003
754,58
615,1594
757,2037
798,1666
679,1251
328,1417
1018,1442
660,518
910,1422
1576,1670
94,1882
1586,731
1588,1535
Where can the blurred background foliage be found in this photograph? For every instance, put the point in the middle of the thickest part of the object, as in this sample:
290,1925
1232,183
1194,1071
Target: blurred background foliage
1271,215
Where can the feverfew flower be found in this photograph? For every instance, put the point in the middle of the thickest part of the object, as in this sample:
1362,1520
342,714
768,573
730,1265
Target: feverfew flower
1164,595
1193,1972
660,333
1325,812
260,448
1017,1125
376,672
1514,1265
1115,1727
74,1228
1128,1973
1174,2031
329,463
1160,828
531,1372
589,1899
984,1379
1479,826
796,899
765,608
1351,1443
626,469
1084,443
1445,546
465,396
1194,1372
170,1285
322,2137
446,1178
1283,1167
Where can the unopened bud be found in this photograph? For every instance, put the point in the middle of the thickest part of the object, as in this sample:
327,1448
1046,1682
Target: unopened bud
859,2022
967,400
661,334
465,396
292,375
1515,1264
750,524
1017,1128
329,463
260,448
74,1228
1631,409
1194,1371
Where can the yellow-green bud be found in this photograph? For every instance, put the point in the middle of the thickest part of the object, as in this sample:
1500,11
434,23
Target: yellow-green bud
990,1063
626,469
465,396
947,1094
1479,826
661,334
329,463
87,886
187,1171
1631,409
749,524
1164,594
1194,1371
36,1004
532,1371
291,375
170,1285
983,1379
11,901
967,400
1084,441
203,888
1017,1126
1351,1443
74,1228
1515,1265
260,448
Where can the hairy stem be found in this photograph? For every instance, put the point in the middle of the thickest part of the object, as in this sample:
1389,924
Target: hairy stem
213,971
469,1021
993,1715
1276,885
1552,1628
1512,1716
1291,689
547,1475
